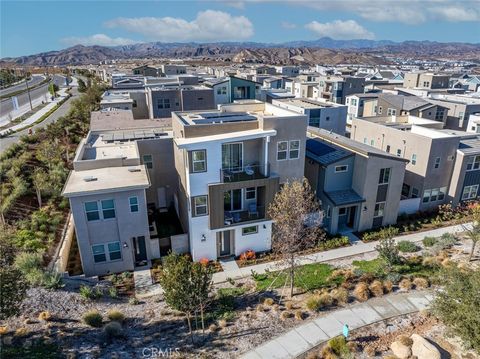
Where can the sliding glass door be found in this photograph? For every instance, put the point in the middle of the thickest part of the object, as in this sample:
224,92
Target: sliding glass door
232,200
232,156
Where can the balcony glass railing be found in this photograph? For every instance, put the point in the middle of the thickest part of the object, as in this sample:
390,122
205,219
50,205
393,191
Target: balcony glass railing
245,173
253,213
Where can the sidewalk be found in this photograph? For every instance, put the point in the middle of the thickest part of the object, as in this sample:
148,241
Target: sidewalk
62,94
357,247
309,335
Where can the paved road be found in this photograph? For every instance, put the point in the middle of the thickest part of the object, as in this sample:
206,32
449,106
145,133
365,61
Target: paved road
6,105
62,110
34,80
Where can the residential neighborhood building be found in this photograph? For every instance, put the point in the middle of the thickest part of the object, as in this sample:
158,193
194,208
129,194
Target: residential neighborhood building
146,70
358,185
426,80
230,89
337,88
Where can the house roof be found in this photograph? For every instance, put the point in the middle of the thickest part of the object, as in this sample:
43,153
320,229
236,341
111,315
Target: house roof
407,103
325,153
344,197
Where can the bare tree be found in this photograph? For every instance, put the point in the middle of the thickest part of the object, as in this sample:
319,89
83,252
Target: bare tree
297,217
41,183
473,231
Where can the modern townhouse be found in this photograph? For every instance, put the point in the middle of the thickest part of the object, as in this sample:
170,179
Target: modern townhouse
230,163
117,100
361,105
163,100
426,80
230,89
431,152
146,70
359,185
459,108
173,69
321,114
289,71
121,184
337,88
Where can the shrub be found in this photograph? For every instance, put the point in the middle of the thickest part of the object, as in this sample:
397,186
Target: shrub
52,280
376,288
21,332
289,305
260,308
298,315
361,292
327,353
3,330
430,262
405,284
325,299
88,292
405,340
446,241
212,328
388,251
393,277
313,303
204,261
222,323
113,330
268,301
447,263
387,286
334,243
133,301
429,241
45,316
112,292
407,247
340,295
339,346
115,315
275,307
93,318
421,283
248,255
285,315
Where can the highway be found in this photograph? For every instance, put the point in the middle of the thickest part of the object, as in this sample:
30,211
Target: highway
6,105
34,80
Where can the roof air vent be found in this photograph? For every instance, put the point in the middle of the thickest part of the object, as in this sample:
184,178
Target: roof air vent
90,178
134,169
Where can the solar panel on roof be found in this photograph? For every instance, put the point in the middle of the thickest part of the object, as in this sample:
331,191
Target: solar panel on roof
319,148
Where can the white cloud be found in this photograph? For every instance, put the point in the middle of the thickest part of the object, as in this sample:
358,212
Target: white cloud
240,5
209,25
457,14
97,39
288,25
340,30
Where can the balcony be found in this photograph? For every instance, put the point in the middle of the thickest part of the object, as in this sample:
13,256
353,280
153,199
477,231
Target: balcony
246,173
253,213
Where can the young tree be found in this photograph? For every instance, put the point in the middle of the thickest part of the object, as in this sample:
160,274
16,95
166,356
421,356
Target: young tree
202,286
53,88
13,285
473,232
296,214
40,182
81,86
457,304
387,247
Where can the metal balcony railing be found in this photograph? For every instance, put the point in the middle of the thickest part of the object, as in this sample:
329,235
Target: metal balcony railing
245,173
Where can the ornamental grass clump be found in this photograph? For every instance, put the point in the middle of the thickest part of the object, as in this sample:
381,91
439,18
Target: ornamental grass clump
361,292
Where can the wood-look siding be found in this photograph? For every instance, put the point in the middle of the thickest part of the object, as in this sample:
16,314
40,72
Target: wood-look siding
270,187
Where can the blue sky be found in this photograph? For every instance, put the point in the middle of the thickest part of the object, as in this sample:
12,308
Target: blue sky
29,27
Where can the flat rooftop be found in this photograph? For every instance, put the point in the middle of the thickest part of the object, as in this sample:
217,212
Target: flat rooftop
112,151
122,120
106,180
308,103
202,118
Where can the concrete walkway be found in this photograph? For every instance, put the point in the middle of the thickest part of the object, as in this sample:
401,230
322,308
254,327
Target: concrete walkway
356,248
309,335
144,286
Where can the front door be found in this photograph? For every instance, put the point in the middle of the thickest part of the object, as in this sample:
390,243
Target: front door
224,244
351,216
140,250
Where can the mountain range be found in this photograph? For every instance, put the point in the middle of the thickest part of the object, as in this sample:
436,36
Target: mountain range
324,50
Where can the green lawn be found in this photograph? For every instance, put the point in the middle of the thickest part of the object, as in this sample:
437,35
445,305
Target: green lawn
374,266
377,267
307,277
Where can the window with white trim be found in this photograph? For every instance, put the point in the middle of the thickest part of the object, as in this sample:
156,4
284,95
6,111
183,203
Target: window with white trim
99,255
92,212
384,177
249,230
379,209
388,149
199,161
133,202
282,150
250,193
391,112
294,149
200,206
414,159
399,152
108,208
163,103
437,162
114,251
341,168
148,161
379,110
470,192
372,142
473,163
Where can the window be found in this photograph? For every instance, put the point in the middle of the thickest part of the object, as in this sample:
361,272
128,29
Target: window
379,110
163,103
250,193
439,114
473,163
391,112
133,201
199,161
249,230
441,193
342,211
282,150
372,142
434,195
342,168
379,209
470,192
91,210
426,195
353,102
426,83
99,253
329,212
414,192
365,140
437,162
450,158
414,159
327,118
114,252
399,152
148,161
294,149
200,205
134,103
388,149
108,208
384,176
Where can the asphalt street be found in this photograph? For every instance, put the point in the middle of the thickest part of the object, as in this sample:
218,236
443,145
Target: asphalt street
34,80
6,105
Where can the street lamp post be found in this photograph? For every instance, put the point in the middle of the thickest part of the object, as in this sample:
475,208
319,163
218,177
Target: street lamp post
28,92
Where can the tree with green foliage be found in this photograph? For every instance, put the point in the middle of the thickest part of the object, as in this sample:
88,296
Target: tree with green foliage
13,285
296,214
82,87
53,89
457,304
186,285
41,183
202,286
387,248
473,231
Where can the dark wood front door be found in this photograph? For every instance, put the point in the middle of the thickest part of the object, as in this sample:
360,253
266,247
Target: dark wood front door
140,250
